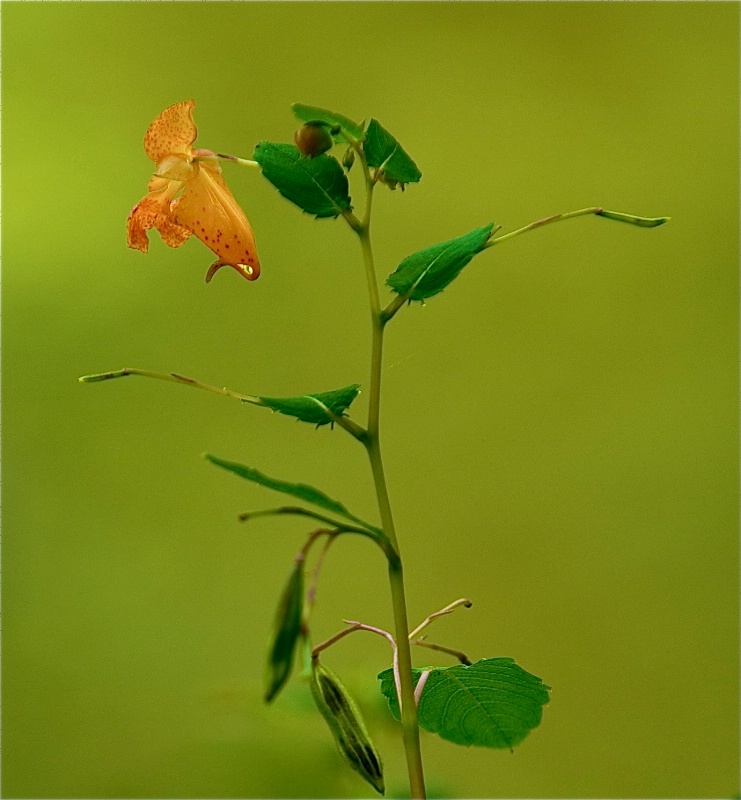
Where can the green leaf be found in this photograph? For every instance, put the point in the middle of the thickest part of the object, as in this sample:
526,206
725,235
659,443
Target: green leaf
492,703
311,407
347,725
300,490
429,271
317,185
315,114
286,630
384,152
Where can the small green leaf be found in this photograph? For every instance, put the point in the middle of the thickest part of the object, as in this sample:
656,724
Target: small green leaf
632,219
429,271
317,185
286,630
346,723
492,703
315,114
384,152
311,407
300,490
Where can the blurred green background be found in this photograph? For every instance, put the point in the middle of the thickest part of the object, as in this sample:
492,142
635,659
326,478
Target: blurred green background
560,426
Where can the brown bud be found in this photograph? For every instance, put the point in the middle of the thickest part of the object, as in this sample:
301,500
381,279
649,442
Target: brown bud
313,139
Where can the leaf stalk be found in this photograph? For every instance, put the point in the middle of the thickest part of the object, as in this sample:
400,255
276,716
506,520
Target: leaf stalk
631,219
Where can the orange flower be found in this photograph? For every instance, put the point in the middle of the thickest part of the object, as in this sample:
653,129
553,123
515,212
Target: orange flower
205,208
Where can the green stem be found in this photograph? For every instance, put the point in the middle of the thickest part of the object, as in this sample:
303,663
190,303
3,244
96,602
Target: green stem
631,219
244,162
172,376
409,722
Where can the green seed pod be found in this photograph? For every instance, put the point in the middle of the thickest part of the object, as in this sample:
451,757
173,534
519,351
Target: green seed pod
287,628
349,158
347,726
313,139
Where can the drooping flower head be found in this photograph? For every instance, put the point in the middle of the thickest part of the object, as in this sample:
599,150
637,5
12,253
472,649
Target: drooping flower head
205,206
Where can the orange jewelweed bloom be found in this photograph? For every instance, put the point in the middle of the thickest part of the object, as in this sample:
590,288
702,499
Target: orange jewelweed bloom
205,208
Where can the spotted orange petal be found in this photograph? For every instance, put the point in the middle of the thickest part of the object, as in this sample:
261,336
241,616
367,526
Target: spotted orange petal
209,210
154,211
172,132
136,232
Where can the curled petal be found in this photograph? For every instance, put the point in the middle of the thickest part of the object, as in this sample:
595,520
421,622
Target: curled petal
172,132
136,233
208,209
154,211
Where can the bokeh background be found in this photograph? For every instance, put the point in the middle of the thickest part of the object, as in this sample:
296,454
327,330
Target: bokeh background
560,426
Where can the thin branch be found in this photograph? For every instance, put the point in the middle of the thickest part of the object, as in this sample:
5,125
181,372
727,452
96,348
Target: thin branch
462,657
311,593
619,216
341,527
244,162
376,535
360,626
463,601
172,376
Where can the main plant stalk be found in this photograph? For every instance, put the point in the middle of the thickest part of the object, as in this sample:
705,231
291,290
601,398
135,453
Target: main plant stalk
409,723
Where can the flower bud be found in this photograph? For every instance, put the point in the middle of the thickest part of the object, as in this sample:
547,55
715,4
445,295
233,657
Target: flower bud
313,139
349,158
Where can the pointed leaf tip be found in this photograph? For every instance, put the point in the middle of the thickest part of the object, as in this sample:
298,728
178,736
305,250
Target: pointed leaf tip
427,272
633,219
103,376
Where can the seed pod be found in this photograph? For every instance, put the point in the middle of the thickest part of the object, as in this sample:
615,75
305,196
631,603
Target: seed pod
349,158
347,726
313,139
287,628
